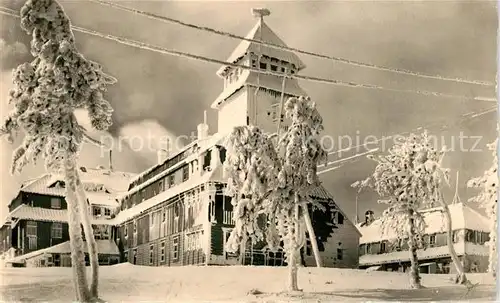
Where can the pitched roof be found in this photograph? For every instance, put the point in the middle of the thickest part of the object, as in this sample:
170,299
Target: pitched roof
105,247
463,217
262,32
424,254
114,182
265,81
130,213
26,212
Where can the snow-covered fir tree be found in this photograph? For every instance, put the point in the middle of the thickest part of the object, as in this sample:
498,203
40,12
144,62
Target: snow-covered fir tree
409,179
276,180
45,95
488,199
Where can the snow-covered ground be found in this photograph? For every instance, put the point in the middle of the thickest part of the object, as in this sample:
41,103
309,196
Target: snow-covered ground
129,283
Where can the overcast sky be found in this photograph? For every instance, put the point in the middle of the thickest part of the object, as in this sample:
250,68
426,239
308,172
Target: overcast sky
168,94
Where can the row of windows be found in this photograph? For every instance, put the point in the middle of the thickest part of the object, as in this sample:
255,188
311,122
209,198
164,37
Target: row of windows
97,211
433,240
170,180
175,251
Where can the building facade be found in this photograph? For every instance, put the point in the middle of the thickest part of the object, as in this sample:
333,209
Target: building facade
470,233
35,232
177,212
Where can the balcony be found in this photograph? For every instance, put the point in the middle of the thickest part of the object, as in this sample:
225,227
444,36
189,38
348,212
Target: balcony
228,218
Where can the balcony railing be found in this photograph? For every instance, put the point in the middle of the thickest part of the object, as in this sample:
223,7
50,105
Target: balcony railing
228,218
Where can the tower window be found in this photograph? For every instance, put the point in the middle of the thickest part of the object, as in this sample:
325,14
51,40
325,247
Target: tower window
263,65
274,68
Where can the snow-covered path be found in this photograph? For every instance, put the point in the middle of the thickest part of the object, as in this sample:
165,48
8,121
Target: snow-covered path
129,283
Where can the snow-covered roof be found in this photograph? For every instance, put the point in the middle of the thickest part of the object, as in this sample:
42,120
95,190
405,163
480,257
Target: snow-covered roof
424,254
269,82
113,181
262,32
26,212
127,214
105,247
202,146
463,217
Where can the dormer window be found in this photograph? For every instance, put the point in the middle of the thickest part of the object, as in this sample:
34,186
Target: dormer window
55,203
107,212
263,65
97,211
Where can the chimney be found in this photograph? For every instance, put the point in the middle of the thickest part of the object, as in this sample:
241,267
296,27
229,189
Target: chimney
162,156
110,161
369,218
203,127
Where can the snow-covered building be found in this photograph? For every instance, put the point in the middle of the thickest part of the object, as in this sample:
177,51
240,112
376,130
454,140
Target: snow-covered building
36,227
470,233
177,212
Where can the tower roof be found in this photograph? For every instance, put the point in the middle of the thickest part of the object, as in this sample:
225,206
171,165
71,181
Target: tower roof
262,32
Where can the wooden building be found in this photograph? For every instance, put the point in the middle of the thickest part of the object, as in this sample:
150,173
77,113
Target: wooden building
177,212
470,233
38,220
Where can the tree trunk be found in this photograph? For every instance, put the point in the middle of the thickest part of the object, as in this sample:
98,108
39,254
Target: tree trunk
492,243
461,278
312,236
75,232
243,247
89,236
414,268
293,252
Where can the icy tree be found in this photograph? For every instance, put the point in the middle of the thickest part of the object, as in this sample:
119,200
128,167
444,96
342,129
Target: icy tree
488,199
251,166
276,181
46,93
408,179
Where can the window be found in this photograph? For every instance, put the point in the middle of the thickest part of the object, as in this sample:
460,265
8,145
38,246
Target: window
283,70
207,158
97,211
56,230
162,252
107,212
31,228
185,173
248,120
143,195
432,240
125,231
254,63
171,180
32,243
175,250
382,247
292,71
222,154
194,166
340,218
135,226
368,248
308,248
161,186
152,219
151,250
340,253
274,68
263,65
164,216
55,203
